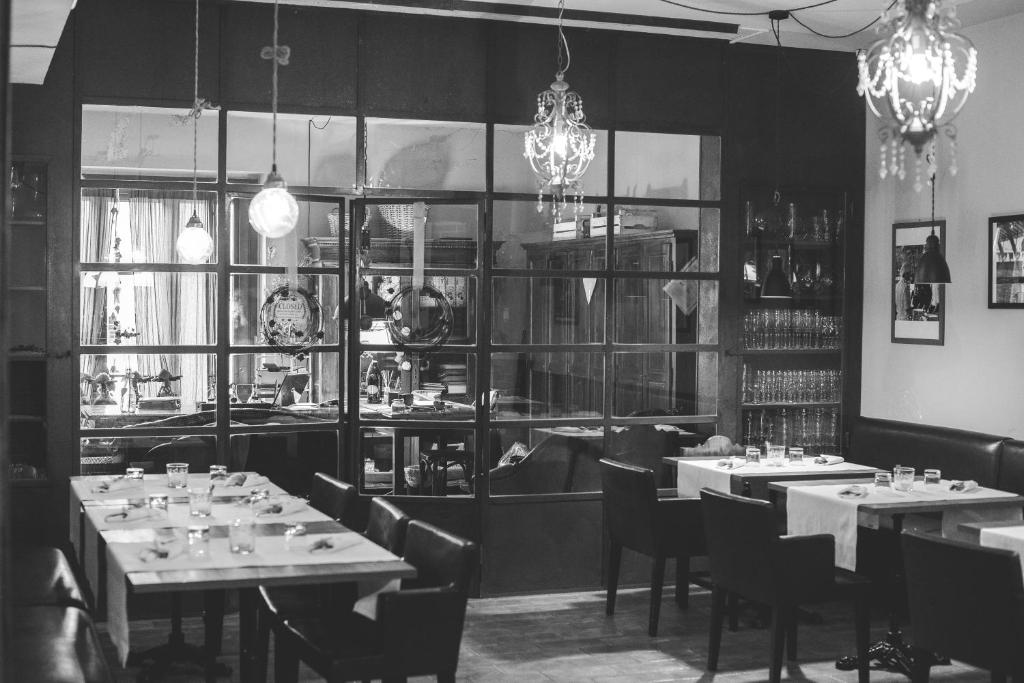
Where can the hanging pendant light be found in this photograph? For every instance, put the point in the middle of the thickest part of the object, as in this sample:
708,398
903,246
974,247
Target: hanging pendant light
917,80
776,284
560,146
274,212
194,244
932,269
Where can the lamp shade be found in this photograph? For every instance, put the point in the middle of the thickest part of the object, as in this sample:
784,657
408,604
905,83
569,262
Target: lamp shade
273,212
194,244
776,284
932,269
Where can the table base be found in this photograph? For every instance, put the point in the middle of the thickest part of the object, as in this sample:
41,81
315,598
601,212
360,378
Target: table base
175,651
893,653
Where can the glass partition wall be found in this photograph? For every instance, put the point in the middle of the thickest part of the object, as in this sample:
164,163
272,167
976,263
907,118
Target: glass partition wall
494,345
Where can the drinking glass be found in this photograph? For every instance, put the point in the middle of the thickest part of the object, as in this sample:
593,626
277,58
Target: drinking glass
796,455
883,479
932,477
291,533
903,478
133,473
776,455
177,475
218,473
242,536
200,500
158,505
753,454
198,542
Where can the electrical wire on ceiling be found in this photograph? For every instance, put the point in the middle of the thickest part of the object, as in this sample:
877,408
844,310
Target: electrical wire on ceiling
790,11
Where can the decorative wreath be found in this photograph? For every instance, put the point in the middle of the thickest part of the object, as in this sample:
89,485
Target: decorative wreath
403,333
291,320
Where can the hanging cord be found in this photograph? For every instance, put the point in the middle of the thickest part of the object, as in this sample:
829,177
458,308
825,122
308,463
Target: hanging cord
777,31
273,98
310,125
790,11
562,44
932,182
195,116
851,33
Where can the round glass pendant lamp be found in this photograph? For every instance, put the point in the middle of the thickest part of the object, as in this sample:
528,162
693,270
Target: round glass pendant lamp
776,284
194,244
274,212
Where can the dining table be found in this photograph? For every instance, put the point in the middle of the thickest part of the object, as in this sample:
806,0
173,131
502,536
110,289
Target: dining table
294,545
751,479
841,507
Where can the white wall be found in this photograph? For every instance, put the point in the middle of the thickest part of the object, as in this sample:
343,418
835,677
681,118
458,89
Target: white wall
976,380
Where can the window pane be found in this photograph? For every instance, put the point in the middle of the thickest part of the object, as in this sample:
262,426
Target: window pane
132,308
111,455
653,238
417,461
512,172
548,385
424,376
664,166
528,459
447,310
526,238
451,234
141,226
141,389
313,244
317,151
425,155
26,306
658,311
548,310
147,142
310,386
288,459
249,293
665,383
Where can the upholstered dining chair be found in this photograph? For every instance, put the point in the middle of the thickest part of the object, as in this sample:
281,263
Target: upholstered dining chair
333,497
417,630
661,528
966,602
750,559
386,526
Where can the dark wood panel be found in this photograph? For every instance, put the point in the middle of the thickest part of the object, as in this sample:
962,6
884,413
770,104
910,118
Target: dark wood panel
321,72
525,63
423,67
115,34
668,83
542,546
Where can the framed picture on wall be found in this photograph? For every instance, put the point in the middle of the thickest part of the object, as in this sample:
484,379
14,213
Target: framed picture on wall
1006,261
918,310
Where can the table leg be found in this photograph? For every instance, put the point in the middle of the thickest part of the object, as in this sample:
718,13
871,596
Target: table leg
247,613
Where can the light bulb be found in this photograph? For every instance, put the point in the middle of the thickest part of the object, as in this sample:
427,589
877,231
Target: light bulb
194,244
273,212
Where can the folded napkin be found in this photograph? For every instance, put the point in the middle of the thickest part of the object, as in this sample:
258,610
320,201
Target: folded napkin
119,483
853,491
829,459
280,506
958,486
243,479
732,463
161,553
129,514
367,605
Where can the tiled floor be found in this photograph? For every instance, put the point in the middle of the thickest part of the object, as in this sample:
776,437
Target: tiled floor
566,637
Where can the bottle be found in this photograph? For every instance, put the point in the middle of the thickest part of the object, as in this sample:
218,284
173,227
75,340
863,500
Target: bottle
373,383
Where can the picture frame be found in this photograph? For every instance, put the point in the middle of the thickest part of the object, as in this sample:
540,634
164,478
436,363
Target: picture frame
918,313
1006,261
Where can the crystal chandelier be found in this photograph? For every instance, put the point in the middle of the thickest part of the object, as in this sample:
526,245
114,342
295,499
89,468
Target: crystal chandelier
916,80
560,145
194,244
274,212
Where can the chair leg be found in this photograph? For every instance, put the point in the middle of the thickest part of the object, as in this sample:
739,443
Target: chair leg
863,628
614,560
286,660
657,582
715,630
921,666
262,644
683,581
791,635
780,615
734,612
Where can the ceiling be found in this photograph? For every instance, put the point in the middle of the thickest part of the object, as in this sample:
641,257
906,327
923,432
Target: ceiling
36,25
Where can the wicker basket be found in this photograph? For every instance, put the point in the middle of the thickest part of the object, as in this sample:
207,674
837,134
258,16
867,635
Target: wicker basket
395,221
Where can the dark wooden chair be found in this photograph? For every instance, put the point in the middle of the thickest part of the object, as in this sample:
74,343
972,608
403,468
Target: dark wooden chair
43,576
418,629
334,498
966,602
750,559
659,527
55,644
386,526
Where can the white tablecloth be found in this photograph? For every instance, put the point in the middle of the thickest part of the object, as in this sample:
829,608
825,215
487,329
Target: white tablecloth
1007,538
693,475
821,510
270,551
